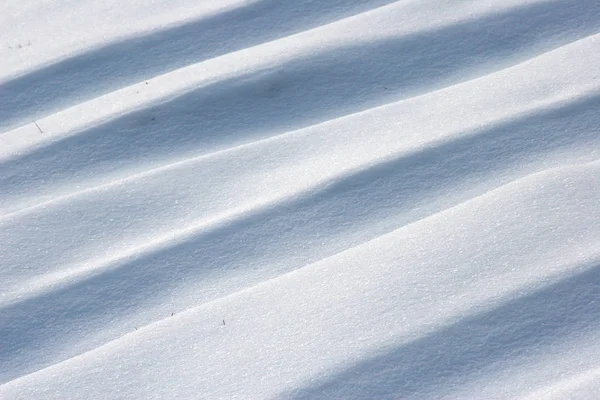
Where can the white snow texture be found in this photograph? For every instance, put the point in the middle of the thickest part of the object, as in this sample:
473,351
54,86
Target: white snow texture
300,199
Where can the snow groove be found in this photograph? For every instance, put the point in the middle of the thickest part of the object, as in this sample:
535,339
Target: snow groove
400,177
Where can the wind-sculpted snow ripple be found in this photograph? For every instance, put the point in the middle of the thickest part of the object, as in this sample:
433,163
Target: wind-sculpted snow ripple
290,95
359,199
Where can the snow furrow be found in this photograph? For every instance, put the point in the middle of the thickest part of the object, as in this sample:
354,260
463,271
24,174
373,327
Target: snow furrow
159,51
525,193
196,261
393,77
107,151
395,188
310,199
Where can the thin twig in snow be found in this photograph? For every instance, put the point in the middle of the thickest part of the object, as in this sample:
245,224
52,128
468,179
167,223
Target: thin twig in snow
39,129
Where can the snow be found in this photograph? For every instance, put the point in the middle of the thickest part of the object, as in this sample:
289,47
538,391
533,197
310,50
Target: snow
303,199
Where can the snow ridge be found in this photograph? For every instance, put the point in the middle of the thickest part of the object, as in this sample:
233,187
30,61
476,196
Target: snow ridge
308,199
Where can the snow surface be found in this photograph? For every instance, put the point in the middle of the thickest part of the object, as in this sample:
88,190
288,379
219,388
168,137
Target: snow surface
337,199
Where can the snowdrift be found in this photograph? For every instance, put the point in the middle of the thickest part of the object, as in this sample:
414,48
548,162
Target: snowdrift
297,200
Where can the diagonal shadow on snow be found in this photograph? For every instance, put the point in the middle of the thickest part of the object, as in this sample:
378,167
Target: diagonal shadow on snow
289,234
296,94
102,70
427,367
